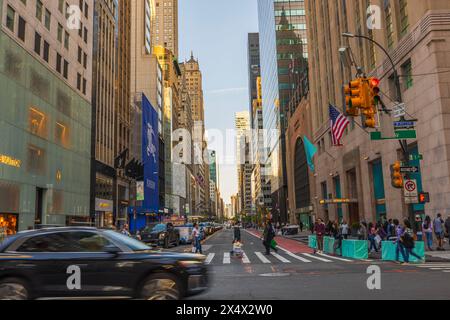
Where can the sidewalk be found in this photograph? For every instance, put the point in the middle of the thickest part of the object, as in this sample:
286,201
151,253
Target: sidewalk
293,246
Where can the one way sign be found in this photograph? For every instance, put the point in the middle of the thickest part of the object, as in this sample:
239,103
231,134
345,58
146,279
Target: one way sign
409,169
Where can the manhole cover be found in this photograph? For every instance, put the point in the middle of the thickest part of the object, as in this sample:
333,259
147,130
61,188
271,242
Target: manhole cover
275,274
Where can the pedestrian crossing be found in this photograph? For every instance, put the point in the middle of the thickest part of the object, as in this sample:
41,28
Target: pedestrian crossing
443,267
282,256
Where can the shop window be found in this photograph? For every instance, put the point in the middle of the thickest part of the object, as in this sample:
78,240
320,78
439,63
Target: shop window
8,225
37,122
62,134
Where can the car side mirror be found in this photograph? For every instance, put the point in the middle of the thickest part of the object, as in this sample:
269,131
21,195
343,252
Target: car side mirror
112,249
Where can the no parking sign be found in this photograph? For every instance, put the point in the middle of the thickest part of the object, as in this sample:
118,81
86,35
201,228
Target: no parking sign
410,191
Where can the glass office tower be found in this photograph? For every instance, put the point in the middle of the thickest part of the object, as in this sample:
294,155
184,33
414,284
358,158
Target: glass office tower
283,39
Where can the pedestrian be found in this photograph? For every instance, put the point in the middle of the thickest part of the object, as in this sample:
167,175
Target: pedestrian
371,237
399,248
362,231
268,236
427,228
197,239
344,230
418,229
381,232
337,238
319,229
236,234
447,228
125,230
438,226
407,242
302,225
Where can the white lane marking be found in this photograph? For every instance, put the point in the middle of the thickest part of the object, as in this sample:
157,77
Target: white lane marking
226,258
446,271
440,268
245,259
433,266
262,258
315,257
209,258
333,257
282,259
295,256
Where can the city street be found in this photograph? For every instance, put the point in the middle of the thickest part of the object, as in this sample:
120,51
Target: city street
296,274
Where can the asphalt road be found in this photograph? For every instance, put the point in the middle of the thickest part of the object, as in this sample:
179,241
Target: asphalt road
298,276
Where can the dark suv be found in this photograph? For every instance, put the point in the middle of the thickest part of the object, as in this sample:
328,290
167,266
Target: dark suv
87,262
163,235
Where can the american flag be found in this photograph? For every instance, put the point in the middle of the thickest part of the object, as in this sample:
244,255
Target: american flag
338,125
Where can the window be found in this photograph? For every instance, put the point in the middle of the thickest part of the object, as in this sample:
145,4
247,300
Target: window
389,24
407,75
37,43
36,160
62,134
39,10
10,18
86,10
79,81
404,21
61,6
85,61
66,40
37,122
85,35
60,32
46,51
22,28
66,69
56,242
80,55
84,86
58,62
48,17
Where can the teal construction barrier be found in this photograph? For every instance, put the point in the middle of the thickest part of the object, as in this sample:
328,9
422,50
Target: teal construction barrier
388,251
312,241
355,249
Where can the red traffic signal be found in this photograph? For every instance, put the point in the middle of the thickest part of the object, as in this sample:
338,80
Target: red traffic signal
424,197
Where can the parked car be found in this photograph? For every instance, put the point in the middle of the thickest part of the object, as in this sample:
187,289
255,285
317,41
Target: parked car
163,235
88,262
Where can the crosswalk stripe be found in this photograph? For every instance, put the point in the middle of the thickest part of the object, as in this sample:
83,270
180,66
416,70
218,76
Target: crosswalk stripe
245,259
446,271
295,256
315,257
440,268
262,258
209,258
282,259
333,257
226,258
433,266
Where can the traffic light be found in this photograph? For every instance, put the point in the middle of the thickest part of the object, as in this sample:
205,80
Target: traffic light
368,109
396,175
424,197
353,97
374,91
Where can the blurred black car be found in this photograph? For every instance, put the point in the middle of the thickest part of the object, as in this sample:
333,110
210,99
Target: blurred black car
87,262
163,235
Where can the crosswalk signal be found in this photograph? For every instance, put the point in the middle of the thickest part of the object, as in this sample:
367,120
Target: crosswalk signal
424,197
396,175
353,97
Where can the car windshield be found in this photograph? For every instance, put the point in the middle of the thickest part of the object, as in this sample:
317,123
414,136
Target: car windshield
131,243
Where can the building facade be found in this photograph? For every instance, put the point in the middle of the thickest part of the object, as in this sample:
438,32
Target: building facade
165,29
283,53
244,161
416,35
254,69
46,114
104,111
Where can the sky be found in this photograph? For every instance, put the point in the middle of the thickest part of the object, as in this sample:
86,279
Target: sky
216,32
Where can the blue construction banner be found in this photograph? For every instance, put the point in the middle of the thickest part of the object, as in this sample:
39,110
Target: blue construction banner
150,156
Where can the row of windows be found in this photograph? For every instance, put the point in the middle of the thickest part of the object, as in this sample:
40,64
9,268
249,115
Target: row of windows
289,13
291,26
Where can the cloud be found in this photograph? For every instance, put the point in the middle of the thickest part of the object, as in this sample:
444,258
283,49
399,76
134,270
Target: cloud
227,90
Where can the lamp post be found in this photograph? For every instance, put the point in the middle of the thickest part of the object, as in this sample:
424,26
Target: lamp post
403,143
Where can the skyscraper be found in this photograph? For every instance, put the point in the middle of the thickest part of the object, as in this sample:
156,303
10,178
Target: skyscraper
283,52
165,29
254,69
244,166
104,110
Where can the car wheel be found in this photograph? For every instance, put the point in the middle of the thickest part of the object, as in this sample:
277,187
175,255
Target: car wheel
161,287
14,289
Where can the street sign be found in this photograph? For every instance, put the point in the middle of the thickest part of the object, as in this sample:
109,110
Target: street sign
404,125
399,110
399,135
415,157
410,187
409,169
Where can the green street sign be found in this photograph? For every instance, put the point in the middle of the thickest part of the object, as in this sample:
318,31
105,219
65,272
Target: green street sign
399,135
415,157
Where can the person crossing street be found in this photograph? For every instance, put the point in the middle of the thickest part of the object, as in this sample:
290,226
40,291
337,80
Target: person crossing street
268,237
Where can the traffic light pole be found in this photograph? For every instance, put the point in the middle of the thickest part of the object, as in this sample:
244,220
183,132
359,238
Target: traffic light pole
403,143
